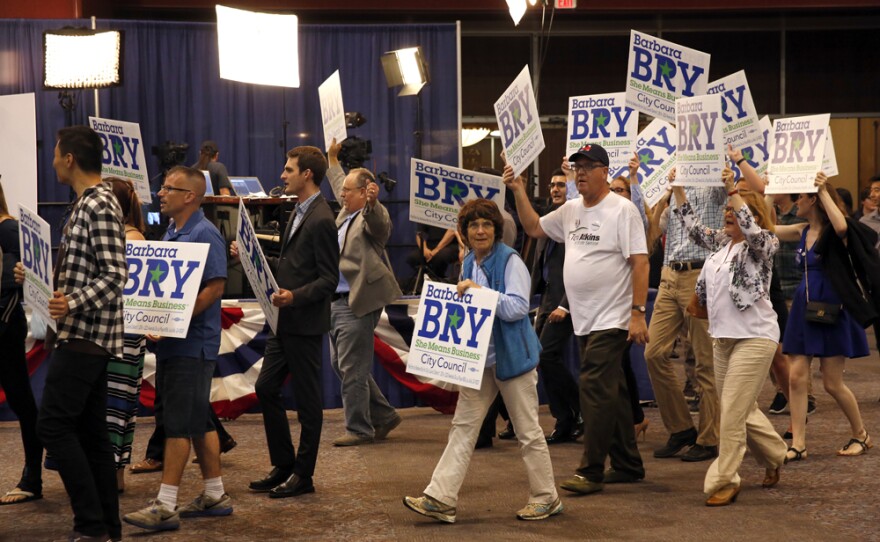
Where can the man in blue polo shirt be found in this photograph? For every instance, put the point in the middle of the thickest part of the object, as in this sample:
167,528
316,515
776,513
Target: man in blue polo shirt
184,367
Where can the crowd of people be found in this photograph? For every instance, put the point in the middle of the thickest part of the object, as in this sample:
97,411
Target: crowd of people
746,311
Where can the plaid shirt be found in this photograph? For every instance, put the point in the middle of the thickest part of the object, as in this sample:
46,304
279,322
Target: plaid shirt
708,203
93,271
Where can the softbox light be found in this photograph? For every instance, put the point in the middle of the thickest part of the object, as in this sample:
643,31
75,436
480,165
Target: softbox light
406,68
517,10
81,58
258,48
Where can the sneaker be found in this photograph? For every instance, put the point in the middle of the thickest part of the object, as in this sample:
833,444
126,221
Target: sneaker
349,439
811,404
699,452
676,442
381,431
431,507
207,506
155,517
579,484
779,404
618,477
535,510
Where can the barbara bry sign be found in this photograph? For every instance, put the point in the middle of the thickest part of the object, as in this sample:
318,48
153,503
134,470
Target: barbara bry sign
519,123
602,119
438,191
452,334
35,244
655,148
255,266
163,283
123,154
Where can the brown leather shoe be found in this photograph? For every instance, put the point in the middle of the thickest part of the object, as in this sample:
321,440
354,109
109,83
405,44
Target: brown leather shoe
147,465
771,477
723,497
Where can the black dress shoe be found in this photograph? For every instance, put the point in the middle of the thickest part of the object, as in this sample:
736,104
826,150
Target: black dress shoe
273,479
578,430
676,442
560,435
700,453
508,433
227,445
483,442
295,485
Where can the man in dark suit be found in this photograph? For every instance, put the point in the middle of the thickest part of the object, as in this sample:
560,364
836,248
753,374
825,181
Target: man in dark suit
307,271
366,285
554,327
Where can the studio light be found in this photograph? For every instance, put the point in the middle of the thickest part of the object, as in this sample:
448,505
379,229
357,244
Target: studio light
517,10
472,136
81,58
258,48
406,68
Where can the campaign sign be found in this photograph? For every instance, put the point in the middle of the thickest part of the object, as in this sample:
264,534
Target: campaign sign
796,153
123,155
253,261
518,122
602,119
655,148
829,162
35,243
452,334
740,123
660,72
163,283
757,155
332,110
437,192
700,153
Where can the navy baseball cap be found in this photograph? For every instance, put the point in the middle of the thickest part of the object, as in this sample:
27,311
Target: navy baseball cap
591,152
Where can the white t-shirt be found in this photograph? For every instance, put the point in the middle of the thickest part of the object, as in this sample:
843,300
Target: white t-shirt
598,241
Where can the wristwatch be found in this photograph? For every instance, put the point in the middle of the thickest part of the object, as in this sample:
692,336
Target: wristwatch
641,308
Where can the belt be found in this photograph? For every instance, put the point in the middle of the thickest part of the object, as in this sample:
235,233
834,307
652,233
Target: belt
339,295
686,266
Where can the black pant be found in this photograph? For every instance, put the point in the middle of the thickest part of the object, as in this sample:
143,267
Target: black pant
156,445
632,387
300,357
16,383
559,384
73,426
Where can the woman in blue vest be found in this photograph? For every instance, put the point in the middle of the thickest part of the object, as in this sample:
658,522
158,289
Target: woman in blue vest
510,368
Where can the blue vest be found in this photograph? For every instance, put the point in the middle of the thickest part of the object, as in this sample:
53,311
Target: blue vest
516,344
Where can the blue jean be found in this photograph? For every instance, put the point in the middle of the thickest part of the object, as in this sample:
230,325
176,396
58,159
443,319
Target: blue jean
351,356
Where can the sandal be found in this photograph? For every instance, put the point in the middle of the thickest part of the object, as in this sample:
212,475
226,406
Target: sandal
850,450
793,454
26,496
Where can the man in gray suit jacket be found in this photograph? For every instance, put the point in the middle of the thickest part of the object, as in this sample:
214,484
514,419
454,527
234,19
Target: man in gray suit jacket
366,285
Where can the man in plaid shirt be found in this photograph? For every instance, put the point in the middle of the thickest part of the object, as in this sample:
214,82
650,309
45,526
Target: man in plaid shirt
87,307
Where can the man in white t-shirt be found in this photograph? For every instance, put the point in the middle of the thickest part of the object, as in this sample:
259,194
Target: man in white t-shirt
606,280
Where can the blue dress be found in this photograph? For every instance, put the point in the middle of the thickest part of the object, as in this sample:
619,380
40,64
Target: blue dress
844,338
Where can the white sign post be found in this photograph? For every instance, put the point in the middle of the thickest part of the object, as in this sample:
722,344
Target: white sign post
452,334
163,283
437,192
796,153
519,124
123,155
660,72
332,110
35,243
740,122
605,120
253,261
655,148
700,153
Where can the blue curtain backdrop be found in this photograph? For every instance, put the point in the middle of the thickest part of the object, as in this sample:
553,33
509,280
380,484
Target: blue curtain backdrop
172,87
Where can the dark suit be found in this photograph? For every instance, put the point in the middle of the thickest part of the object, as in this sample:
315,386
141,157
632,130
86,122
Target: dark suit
308,266
559,383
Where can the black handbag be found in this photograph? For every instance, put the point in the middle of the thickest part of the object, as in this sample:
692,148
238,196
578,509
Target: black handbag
817,311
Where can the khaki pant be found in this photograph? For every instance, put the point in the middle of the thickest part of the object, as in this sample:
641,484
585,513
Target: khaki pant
740,369
676,290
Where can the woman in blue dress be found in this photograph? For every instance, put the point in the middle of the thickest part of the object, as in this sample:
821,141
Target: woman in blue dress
831,343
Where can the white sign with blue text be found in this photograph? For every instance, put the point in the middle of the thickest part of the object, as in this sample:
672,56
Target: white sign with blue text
332,110
605,120
740,122
829,161
700,152
163,283
757,155
655,148
452,334
518,122
796,153
255,266
437,192
123,154
35,243
660,72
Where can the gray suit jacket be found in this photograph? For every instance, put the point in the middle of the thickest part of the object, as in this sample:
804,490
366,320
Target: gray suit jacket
361,259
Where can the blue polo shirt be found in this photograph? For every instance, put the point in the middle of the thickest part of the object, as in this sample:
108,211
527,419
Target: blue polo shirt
203,337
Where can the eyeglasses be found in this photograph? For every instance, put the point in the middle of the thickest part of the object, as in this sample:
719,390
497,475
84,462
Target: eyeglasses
168,188
486,225
560,184
586,168
620,190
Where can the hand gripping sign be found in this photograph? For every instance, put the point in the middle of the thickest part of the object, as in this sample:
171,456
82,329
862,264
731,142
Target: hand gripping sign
519,124
123,154
35,243
253,261
163,283
332,110
452,334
